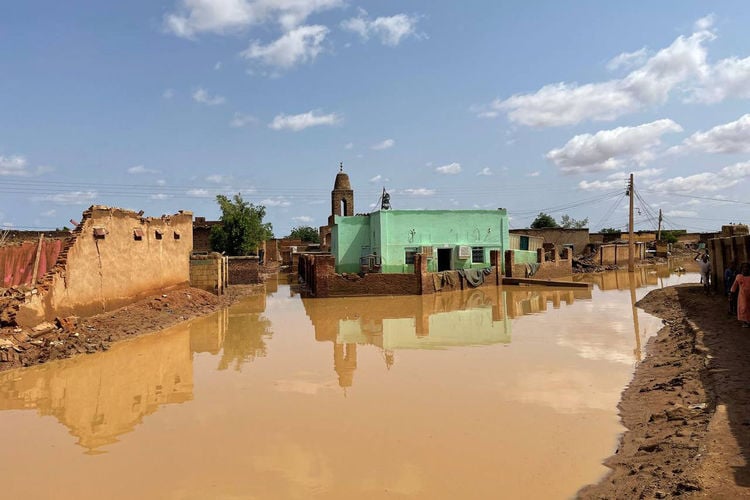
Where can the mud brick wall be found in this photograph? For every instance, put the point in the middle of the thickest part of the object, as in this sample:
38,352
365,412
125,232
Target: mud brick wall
207,273
556,267
725,251
373,284
244,270
112,258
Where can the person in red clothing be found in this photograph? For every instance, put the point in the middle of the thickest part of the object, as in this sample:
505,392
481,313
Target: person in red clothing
742,286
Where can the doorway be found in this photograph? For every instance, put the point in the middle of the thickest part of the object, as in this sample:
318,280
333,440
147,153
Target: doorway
444,257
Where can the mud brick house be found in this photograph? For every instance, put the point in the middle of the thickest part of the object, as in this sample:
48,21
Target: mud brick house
112,258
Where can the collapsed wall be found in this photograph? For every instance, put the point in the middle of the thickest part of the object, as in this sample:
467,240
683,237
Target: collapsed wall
112,258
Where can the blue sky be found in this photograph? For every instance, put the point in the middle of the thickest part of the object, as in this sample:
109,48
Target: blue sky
531,106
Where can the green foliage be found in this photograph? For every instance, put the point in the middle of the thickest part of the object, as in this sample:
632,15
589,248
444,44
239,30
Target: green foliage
305,233
242,228
670,236
567,222
543,220
610,230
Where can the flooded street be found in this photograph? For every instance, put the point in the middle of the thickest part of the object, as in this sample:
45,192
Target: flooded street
495,392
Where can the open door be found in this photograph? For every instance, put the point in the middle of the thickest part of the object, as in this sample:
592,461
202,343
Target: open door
444,257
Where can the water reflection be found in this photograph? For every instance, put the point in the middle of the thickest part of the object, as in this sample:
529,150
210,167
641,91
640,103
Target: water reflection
463,318
100,397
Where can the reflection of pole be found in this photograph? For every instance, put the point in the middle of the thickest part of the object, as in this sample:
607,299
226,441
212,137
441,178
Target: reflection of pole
636,328
631,243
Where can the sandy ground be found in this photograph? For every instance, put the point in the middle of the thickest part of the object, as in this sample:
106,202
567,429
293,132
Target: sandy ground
686,409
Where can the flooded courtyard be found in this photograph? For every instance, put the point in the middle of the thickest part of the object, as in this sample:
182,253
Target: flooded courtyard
495,392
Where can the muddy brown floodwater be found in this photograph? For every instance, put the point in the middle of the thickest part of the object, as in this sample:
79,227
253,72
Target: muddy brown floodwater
498,392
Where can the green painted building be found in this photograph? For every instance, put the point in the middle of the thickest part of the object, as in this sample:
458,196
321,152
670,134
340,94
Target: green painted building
389,239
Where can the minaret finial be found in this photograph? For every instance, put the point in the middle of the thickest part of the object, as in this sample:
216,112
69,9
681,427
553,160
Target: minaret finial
341,166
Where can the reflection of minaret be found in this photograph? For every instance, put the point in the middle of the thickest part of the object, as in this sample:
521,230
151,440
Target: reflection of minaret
345,362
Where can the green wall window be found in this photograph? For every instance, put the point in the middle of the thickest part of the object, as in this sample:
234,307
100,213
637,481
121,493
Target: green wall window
477,255
409,254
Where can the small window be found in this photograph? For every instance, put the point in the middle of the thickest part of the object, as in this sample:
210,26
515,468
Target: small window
409,254
477,255
176,235
99,233
137,234
158,234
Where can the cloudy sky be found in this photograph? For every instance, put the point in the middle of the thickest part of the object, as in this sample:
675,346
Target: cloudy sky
531,106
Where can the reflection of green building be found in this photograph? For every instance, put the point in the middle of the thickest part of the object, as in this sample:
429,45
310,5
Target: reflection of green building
389,239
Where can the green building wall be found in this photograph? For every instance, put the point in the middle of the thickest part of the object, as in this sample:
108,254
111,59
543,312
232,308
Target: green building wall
389,233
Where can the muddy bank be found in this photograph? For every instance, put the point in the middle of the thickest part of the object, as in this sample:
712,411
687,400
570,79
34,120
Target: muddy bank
686,410
71,336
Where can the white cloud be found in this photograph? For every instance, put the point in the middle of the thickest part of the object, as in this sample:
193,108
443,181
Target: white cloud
645,172
217,66
202,96
705,181
72,198
375,179
17,165
199,193
449,169
386,144
732,137
418,191
140,169
13,165
349,145
681,213
705,23
302,121
300,45
193,17
161,182
160,196
168,94
628,59
304,219
650,84
49,213
600,185
390,30
218,178
608,149
278,201
728,78
485,171
534,174
240,120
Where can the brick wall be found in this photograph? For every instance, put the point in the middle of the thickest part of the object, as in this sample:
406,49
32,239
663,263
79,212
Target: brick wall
208,272
552,267
244,270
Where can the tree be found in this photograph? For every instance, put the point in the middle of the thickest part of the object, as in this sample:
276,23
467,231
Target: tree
567,222
242,228
610,230
305,233
543,220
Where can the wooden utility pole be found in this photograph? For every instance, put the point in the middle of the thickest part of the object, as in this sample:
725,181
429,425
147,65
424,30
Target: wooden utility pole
631,236
658,231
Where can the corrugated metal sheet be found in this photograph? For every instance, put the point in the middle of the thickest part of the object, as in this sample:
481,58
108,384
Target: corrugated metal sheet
17,261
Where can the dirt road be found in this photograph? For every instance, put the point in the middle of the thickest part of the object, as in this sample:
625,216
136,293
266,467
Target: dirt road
686,409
